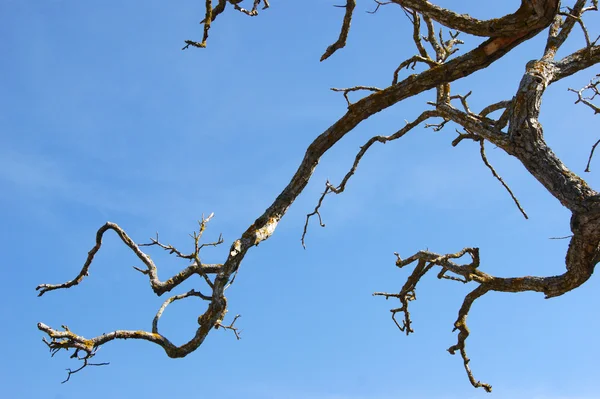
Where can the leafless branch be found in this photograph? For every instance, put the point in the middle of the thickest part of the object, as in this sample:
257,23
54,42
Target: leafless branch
524,141
158,286
341,41
379,4
230,327
463,334
578,19
463,101
593,86
495,107
497,176
355,88
217,303
173,299
530,14
561,28
411,63
415,19
437,126
561,238
195,255
587,167
469,272
464,136
363,150
212,13
84,365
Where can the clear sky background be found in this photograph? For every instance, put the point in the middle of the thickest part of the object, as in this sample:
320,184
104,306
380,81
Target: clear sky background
103,117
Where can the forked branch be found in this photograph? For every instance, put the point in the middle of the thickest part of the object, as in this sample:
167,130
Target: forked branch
524,140
577,273
214,314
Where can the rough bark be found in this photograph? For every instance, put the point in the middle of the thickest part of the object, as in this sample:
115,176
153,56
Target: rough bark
517,131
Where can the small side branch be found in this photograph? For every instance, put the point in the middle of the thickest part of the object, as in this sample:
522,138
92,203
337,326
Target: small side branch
212,13
173,299
355,88
497,176
329,188
230,327
579,20
379,4
504,117
341,41
253,11
463,334
208,18
594,88
411,63
561,28
495,107
195,255
587,167
86,363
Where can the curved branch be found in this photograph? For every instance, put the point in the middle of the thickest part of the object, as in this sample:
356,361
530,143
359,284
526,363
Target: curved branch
68,340
463,334
173,299
531,15
159,287
341,41
505,34
580,261
363,150
478,58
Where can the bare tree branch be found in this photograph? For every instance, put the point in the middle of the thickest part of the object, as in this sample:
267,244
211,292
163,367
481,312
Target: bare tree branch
158,286
342,186
527,17
593,86
341,41
523,140
491,168
355,88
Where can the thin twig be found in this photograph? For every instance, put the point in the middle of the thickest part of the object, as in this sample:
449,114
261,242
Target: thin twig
485,161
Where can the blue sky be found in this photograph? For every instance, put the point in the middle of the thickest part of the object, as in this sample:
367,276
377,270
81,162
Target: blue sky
103,117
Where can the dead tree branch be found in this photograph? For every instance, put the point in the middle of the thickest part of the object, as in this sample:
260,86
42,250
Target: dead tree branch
523,140
363,150
593,86
355,88
491,168
341,41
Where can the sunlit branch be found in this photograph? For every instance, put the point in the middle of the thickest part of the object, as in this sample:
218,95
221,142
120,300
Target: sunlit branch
341,41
